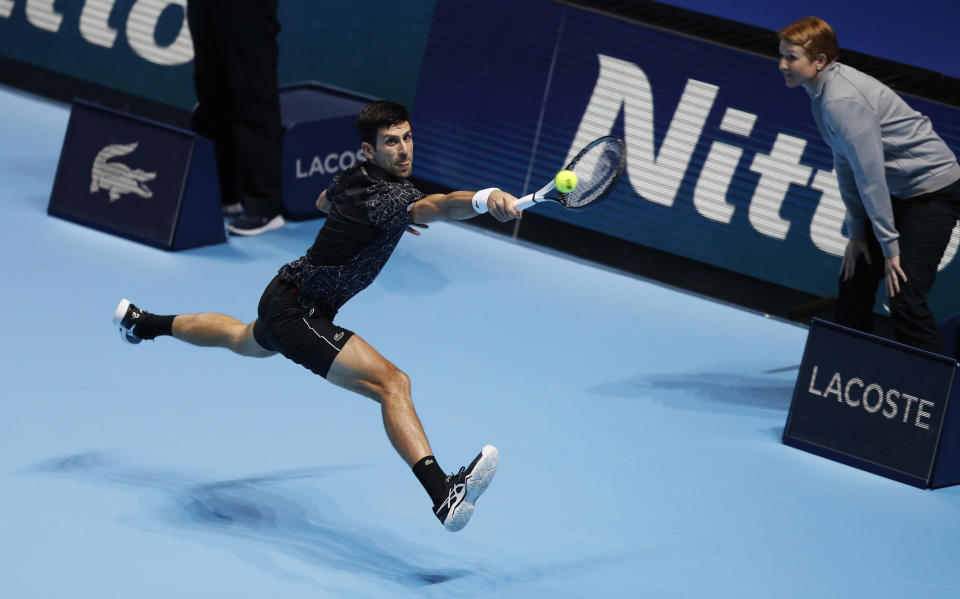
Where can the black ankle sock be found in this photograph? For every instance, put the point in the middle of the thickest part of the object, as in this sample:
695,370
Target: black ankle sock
432,478
153,325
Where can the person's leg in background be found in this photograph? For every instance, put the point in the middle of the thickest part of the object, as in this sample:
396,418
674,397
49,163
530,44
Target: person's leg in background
857,295
925,224
251,54
210,79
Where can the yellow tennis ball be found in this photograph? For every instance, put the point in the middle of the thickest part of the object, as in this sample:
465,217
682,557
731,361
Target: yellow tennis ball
566,181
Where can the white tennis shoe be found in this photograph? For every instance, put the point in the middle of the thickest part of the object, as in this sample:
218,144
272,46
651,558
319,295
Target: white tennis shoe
125,317
465,487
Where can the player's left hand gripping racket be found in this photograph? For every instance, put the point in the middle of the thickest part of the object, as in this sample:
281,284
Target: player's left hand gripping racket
598,168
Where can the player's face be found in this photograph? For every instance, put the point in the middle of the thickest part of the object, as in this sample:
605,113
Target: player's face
394,150
797,67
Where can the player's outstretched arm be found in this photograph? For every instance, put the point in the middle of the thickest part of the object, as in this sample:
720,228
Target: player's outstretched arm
459,205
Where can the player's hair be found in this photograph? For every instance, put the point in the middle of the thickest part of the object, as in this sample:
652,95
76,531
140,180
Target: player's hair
814,35
381,114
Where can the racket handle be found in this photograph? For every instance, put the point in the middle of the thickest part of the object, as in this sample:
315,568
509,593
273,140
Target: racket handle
524,202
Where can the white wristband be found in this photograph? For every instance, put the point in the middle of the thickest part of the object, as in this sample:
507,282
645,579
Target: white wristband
480,199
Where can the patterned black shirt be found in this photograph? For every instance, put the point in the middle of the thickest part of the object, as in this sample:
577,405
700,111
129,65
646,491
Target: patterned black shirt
368,216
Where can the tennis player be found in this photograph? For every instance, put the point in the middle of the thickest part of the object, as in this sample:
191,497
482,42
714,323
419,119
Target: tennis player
899,181
369,206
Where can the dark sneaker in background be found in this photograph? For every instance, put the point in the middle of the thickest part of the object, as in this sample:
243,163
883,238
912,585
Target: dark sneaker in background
255,224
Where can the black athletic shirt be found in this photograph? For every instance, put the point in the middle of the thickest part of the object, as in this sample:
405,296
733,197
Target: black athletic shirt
368,216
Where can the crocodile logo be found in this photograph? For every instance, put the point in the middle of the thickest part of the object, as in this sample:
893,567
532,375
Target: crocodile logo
117,178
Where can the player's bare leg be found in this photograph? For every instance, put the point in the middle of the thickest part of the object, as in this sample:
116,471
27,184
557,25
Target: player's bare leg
206,330
361,368
218,330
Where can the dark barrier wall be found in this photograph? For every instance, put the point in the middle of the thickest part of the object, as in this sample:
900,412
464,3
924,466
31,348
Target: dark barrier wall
143,47
919,33
724,163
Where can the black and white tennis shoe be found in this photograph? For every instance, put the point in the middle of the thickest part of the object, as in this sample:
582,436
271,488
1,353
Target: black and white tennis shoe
126,317
464,487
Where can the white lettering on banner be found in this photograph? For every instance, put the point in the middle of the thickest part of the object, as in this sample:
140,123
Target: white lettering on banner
826,228
655,176
141,25
95,29
326,163
846,391
350,162
834,387
41,15
330,164
94,25
777,171
951,248
622,86
866,395
856,393
709,197
891,404
813,377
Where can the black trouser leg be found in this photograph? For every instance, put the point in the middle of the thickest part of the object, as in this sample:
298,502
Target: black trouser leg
250,33
212,117
235,76
857,295
925,224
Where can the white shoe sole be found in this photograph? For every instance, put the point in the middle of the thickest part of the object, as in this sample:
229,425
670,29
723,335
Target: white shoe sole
118,315
477,482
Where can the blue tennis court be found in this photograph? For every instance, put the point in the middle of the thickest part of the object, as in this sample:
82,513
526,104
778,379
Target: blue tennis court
639,429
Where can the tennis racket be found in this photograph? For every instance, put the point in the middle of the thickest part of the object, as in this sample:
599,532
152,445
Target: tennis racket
598,168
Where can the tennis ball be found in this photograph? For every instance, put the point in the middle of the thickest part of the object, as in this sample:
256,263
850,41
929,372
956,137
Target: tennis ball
566,181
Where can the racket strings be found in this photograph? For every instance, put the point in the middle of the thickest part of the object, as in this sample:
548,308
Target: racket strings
597,168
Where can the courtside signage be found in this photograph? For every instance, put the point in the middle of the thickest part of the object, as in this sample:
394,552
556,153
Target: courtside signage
138,179
724,163
875,404
319,142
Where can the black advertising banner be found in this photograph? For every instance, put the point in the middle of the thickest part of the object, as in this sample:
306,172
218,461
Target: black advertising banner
872,403
137,179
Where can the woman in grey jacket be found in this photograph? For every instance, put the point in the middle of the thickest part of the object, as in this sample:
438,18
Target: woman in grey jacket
899,181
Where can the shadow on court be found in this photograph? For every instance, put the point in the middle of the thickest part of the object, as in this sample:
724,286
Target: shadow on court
259,509
723,388
263,509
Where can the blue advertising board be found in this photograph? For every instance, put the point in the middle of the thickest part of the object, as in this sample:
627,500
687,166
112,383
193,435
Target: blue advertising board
138,179
724,163
320,140
876,405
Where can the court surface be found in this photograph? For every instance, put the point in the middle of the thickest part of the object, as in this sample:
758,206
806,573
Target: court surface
639,430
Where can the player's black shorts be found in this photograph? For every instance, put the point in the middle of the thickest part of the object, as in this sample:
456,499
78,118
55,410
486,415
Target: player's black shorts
309,339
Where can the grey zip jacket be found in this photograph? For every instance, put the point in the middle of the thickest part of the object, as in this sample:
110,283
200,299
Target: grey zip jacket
881,148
